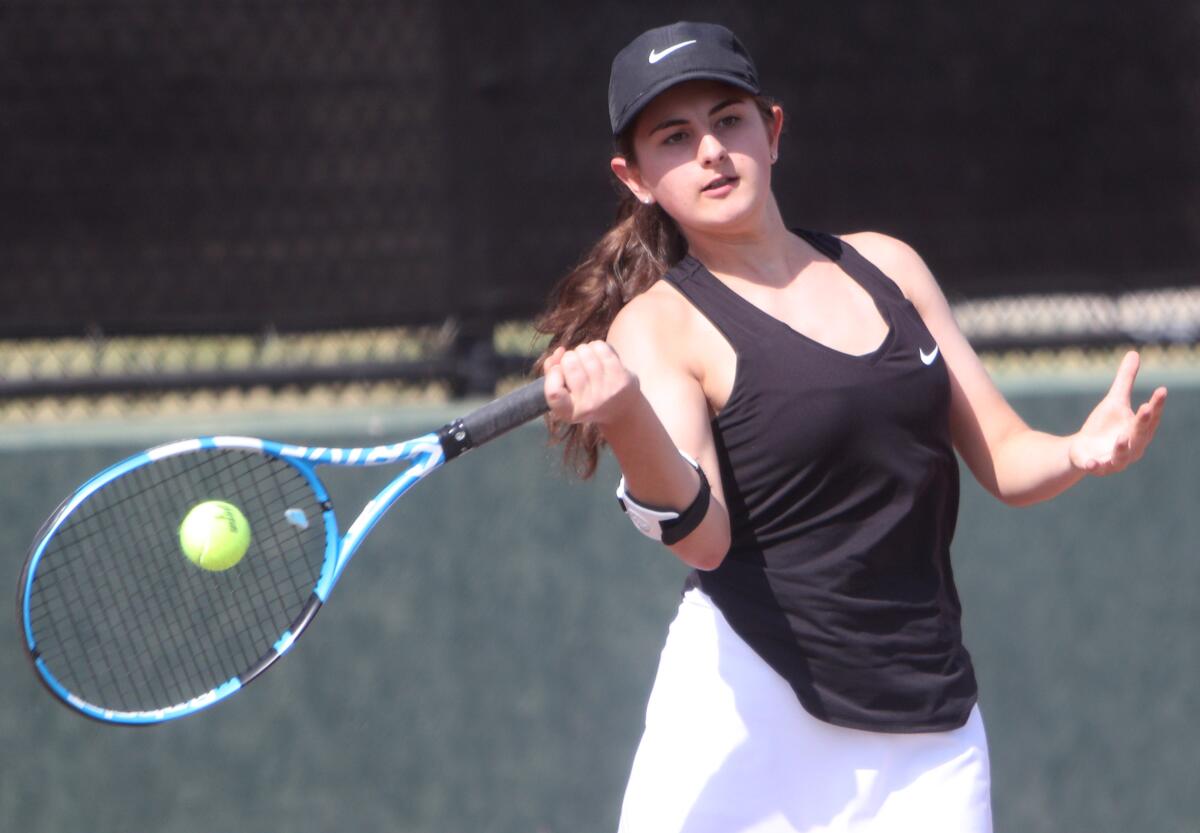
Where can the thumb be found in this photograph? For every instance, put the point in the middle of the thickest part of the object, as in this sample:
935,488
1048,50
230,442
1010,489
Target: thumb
557,395
1122,386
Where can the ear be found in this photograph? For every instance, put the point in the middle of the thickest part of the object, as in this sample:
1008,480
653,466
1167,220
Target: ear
774,130
627,172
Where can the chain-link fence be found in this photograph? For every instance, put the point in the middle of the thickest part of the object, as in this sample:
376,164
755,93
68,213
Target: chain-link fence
81,379
261,199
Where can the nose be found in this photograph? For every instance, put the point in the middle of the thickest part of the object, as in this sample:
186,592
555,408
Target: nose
711,151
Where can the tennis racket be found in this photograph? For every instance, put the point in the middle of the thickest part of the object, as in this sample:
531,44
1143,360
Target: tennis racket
122,627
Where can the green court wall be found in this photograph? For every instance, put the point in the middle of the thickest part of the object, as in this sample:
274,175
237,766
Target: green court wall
484,663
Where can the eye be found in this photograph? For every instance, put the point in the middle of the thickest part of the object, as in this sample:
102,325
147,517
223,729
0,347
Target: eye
675,138
728,121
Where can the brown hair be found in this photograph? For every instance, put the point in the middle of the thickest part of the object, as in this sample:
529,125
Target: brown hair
643,243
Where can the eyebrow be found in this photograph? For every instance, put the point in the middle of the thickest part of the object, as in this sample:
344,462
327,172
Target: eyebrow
676,122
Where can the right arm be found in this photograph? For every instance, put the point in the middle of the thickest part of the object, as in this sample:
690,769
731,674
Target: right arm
649,406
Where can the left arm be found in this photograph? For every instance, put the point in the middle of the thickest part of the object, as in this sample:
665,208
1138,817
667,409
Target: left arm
1017,464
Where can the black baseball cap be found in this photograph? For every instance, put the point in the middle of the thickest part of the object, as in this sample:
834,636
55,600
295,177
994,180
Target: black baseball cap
663,57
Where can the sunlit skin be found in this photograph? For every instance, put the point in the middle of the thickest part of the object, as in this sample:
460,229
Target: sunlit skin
654,384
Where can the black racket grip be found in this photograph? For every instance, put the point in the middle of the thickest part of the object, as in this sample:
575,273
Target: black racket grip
495,418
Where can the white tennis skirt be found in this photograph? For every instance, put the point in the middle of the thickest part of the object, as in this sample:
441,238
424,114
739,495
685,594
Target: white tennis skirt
728,748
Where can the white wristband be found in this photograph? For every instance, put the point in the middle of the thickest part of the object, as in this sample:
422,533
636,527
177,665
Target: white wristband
661,523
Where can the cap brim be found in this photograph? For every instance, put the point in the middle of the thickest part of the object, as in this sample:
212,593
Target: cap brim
645,98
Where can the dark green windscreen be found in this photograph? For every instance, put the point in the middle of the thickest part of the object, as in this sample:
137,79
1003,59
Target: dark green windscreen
485,661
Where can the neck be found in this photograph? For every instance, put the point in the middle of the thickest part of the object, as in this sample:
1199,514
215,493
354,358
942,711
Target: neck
763,252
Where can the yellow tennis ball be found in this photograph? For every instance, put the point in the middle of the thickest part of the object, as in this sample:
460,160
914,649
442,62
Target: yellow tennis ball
214,535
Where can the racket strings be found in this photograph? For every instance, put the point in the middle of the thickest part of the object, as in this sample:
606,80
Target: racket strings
126,622
136,591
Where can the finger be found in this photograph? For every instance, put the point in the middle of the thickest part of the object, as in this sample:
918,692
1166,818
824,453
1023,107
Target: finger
1122,451
1155,402
1122,386
589,357
558,397
553,359
1158,399
1151,427
603,348
1140,425
1121,443
574,373
555,388
1149,414
608,357
1158,403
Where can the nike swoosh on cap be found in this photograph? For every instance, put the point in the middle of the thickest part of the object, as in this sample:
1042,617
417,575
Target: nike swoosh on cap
928,358
655,57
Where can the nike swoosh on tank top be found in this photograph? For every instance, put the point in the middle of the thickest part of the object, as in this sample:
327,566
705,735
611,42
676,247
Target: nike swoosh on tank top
842,488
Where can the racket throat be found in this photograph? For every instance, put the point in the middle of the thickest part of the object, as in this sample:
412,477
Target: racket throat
454,439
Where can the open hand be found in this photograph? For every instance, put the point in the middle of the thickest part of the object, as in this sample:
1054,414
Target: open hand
588,383
1113,435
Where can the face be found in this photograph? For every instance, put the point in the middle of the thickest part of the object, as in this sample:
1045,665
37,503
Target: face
703,152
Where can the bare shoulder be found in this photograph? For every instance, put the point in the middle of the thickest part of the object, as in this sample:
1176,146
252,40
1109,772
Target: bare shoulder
648,329
898,260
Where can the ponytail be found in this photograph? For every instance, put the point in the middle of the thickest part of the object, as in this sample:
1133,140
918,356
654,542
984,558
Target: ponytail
642,245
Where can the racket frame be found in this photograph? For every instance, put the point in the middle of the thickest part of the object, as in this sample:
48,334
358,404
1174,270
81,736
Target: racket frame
424,454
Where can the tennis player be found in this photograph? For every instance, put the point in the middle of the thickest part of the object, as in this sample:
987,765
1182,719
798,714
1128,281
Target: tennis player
785,406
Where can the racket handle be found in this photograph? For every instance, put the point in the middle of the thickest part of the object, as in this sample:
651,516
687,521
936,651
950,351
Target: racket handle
495,418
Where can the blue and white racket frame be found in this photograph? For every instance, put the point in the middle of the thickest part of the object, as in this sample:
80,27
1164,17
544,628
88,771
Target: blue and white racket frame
424,454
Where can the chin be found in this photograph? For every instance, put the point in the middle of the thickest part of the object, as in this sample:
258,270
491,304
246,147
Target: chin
728,215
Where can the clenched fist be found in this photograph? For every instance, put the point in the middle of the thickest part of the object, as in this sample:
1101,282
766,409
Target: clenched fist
588,384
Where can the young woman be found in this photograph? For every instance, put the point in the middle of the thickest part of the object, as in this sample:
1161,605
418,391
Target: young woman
815,677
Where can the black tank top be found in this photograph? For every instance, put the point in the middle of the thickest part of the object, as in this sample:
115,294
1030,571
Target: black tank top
842,489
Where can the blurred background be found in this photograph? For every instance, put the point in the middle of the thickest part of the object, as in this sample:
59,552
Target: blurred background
334,222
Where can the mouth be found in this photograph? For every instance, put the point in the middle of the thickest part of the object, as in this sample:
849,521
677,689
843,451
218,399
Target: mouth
720,182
